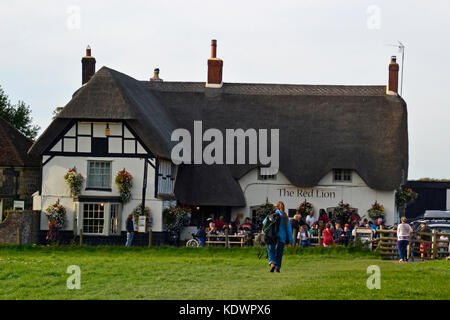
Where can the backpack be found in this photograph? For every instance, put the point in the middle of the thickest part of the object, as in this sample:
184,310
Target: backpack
270,228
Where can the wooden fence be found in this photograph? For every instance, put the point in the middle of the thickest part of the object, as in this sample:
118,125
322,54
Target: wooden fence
386,244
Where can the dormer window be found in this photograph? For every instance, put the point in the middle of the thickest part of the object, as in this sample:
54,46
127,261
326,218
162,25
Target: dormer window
342,175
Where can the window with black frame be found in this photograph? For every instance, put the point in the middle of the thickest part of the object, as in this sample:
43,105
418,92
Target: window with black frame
342,175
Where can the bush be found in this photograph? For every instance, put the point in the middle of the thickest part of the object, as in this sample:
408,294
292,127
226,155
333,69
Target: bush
175,218
262,212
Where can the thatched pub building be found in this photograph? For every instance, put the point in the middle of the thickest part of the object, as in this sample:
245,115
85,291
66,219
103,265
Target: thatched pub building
336,143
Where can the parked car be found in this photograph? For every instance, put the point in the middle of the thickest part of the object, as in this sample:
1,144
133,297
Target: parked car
435,219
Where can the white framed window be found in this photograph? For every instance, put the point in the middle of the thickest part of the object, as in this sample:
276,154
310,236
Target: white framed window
98,218
93,218
342,175
99,175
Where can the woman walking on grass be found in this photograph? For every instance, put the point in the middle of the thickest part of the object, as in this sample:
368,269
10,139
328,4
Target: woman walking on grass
275,251
403,234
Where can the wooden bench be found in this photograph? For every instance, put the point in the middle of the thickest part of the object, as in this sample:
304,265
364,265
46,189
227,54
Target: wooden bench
237,239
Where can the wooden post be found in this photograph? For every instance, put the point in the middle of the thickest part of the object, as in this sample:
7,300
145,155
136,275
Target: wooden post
81,237
19,236
408,251
226,237
434,245
294,232
150,237
381,242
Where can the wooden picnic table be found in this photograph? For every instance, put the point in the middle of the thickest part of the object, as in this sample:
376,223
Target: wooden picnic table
240,239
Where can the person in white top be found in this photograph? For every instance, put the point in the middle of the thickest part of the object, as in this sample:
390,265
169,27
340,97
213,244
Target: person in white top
310,218
404,231
444,243
304,237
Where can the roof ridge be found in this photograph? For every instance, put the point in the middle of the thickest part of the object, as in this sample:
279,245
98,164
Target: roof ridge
265,84
271,88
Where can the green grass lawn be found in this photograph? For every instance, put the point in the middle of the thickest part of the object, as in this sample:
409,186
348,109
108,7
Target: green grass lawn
213,273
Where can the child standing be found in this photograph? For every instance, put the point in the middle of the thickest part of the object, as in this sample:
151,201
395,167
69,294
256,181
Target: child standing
304,237
328,235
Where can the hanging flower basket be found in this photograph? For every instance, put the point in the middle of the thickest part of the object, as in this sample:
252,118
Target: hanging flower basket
75,181
57,213
404,195
376,211
305,208
262,212
138,212
124,182
175,218
342,212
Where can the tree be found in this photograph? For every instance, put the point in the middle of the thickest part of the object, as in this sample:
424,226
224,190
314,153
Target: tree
19,115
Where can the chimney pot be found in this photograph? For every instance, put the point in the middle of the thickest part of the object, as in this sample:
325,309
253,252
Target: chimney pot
156,75
213,48
215,67
393,76
87,66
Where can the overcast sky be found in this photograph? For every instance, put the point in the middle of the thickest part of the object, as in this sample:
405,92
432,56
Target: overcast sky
300,42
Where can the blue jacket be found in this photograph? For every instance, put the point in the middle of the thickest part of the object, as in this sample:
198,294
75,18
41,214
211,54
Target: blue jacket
283,234
130,225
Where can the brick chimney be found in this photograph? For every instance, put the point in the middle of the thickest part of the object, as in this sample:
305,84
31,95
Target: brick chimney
88,66
392,87
215,66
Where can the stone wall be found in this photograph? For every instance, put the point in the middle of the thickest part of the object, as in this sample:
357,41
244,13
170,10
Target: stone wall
20,224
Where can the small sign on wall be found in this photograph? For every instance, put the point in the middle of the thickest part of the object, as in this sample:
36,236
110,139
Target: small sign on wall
142,223
19,205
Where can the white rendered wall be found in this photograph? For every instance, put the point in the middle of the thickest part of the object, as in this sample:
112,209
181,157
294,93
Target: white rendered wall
54,187
326,194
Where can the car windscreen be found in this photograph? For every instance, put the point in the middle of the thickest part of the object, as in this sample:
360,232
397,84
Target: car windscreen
445,229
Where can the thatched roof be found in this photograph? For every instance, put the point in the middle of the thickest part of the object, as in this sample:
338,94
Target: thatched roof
14,146
321,128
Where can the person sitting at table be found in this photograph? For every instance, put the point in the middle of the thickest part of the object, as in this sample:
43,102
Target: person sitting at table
211,230
233,227
210,219
220,223
247,225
